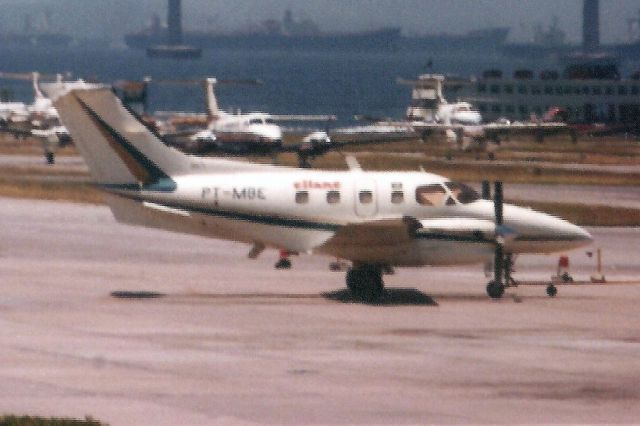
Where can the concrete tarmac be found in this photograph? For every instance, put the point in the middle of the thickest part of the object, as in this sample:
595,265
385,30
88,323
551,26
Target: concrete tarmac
230,340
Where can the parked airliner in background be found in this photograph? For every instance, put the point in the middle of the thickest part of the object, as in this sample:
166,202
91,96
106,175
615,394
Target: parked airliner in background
375,220
221,131
39,119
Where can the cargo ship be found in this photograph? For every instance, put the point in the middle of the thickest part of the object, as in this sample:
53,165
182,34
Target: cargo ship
277,35
24,40
483,40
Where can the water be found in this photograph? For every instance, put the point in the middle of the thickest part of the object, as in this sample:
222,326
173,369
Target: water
340,83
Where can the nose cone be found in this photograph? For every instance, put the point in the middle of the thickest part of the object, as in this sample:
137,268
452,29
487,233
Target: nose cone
537,232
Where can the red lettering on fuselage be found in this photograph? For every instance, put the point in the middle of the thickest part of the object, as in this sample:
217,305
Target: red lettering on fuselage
312,184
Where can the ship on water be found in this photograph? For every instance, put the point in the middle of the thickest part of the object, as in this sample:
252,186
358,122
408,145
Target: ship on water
552,42
39,34
485,40
292,34
272,34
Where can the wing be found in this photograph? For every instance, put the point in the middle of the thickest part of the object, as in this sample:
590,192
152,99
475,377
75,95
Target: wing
401,241
397,231
312,147
495,130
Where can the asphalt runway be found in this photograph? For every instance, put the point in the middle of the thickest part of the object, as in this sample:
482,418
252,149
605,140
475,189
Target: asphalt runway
228,340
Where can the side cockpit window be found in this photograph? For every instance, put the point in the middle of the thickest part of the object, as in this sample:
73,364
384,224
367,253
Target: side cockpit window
431,195
464,194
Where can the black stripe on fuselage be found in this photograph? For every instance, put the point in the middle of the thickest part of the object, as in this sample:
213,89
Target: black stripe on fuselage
129,193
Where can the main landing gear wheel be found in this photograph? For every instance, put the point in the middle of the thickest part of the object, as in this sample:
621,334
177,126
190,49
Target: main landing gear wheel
283,263
551,290
366,282
495,290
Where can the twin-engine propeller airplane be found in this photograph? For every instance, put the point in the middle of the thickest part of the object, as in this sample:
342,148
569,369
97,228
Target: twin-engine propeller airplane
376,220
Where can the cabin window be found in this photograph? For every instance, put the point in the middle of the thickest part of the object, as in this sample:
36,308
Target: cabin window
596,90
255,121
482,88
535,90
634,90
585,90
559,90
463,193
508,89
269,121
431,195
548,90
397,197
509,109
522,89
302,197
609,90
365,197
333,197
622,90
495,88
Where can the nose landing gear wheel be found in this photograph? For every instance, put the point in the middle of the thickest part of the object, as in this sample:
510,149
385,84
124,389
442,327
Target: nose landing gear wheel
552,290
495,290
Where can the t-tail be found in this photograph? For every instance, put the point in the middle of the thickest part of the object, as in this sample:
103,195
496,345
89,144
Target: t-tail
126,158
119,150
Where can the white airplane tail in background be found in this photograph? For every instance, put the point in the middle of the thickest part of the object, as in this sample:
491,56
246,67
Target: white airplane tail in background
210,98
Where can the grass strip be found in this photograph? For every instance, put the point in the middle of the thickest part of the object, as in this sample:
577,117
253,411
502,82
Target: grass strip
52,191
585,214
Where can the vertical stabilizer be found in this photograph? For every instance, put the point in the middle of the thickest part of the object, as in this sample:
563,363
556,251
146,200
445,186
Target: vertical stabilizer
210,98
37,93
117,147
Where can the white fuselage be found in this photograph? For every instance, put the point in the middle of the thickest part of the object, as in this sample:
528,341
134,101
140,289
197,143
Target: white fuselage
301,210
251,130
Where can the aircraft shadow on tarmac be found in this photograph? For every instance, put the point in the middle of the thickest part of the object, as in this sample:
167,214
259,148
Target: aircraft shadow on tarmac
390,297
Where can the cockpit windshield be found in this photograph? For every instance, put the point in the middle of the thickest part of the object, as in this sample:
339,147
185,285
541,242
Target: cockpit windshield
463,193
270,121
255,121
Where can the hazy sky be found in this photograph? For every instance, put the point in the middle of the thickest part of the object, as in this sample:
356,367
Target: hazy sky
115,17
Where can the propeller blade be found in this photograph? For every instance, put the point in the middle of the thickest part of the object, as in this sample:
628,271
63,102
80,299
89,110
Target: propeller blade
498,202
486,190
498,259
